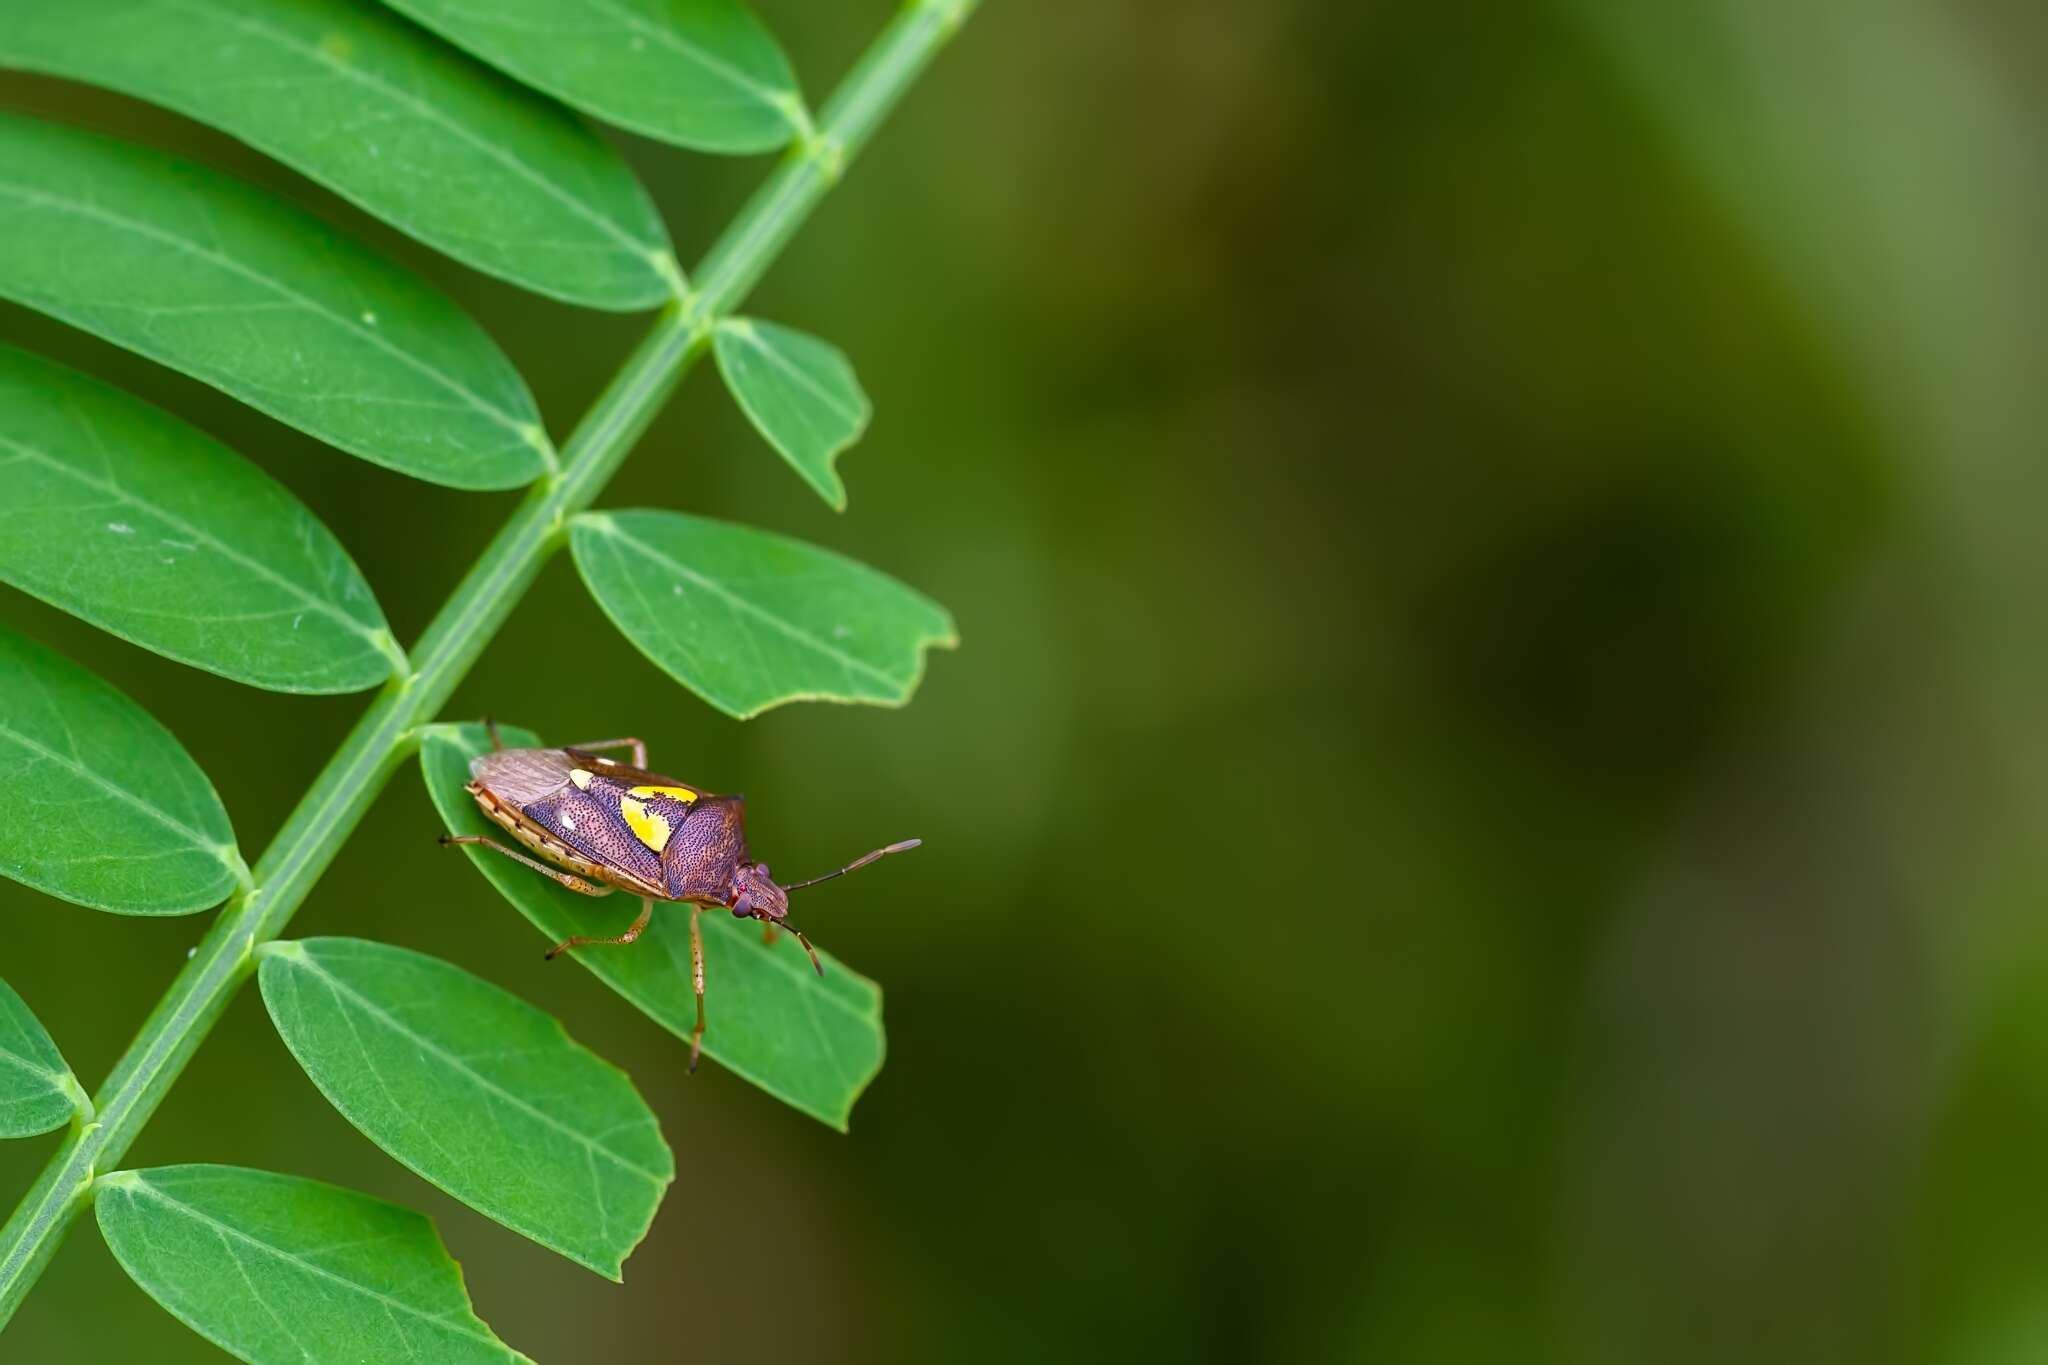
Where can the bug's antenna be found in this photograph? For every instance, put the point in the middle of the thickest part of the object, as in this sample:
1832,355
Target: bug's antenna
807,946
855,866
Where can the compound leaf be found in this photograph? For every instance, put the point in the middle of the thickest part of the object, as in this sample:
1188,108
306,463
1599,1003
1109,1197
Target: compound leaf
700,73
474,1089
812,1042
103,806
436,144
284,1271
233,287
121,514
748,620
37,1090
799,392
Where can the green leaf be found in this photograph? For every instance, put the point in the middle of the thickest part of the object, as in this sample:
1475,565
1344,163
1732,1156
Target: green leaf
120,513
231,286
812,1042
476,1090
799,392
103,807
699,73
748,620
37,1090
435,144
273,1268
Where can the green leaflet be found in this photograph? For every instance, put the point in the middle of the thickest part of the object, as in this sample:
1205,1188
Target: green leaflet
233,287
103,806
812,1042
748,620
284,1271
700,73
435,144
799,392
121,514
476,1090
37,1090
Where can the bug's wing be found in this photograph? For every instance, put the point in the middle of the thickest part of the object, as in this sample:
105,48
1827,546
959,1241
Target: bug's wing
628,776
523,776
590,823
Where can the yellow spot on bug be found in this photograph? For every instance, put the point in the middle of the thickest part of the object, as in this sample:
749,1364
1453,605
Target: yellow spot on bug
650,829
683,794
581,777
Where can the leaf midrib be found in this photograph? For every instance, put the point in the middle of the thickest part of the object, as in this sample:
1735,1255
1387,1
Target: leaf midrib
609,527
221,853
306,304
179,524
675,42
751,338
8,1057
221,1229
370,1007
370,80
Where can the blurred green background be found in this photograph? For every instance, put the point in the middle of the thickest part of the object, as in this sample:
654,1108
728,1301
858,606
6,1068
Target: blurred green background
1491,806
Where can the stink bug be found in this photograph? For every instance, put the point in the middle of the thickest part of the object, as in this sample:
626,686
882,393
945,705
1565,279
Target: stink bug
606,826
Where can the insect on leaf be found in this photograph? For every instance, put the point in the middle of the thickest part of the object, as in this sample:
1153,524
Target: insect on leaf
280,1270
748,620
799,392
233,287
700,73
476,1090
103,806
812,1042
37,1091
432,142
121,514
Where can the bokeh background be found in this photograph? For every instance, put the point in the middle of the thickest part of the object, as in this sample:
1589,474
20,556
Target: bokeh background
1492,803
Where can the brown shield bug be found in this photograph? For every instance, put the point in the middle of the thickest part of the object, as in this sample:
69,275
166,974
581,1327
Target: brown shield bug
607,826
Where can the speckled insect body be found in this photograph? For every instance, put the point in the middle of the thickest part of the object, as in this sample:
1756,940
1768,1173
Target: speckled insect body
602,825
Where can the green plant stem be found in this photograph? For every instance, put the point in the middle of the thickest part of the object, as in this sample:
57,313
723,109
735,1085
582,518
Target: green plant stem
388,732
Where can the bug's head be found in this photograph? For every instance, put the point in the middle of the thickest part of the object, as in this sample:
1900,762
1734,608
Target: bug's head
759,896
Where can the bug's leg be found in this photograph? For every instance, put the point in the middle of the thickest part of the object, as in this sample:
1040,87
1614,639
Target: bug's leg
639,748
768,934
585,940
697,980
491,724
573,882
